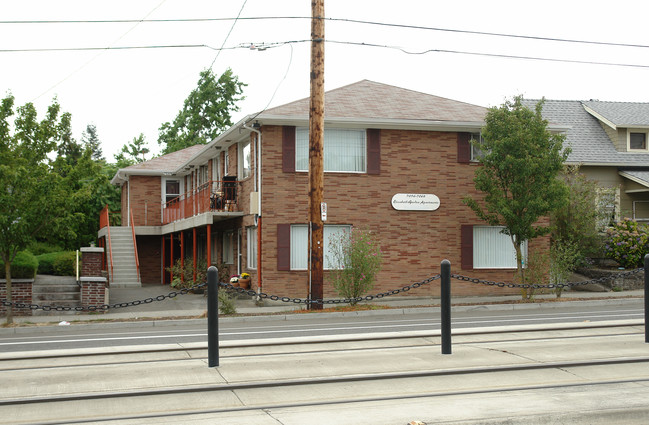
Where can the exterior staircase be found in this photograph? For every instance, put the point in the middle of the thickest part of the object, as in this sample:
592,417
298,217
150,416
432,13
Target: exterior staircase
55,291
124,273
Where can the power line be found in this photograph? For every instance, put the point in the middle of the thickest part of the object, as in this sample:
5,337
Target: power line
265,46
355,21
229,32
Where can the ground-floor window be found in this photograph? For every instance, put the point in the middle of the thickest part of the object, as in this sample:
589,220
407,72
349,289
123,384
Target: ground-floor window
300,245
493,249
252,247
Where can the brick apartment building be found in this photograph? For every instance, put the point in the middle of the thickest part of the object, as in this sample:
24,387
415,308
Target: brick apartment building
242,199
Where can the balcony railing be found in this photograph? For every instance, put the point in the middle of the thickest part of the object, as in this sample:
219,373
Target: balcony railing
211,196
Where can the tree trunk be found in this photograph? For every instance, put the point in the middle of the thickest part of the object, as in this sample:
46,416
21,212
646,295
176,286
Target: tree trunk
519,267
10,308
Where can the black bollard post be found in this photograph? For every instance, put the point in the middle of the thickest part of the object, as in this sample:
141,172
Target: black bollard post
212,317
446,307
646,298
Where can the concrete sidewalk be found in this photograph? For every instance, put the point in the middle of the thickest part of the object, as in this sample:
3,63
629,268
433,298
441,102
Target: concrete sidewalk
569,376
195,305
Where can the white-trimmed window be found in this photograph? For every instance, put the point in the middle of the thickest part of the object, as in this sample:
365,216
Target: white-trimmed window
637,140
493,249
172,189
476,152
345,150
228,243
300,245
251,247
245,159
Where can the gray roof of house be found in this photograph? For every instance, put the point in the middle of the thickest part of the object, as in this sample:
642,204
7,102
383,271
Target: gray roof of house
642,176
622,114
589,142
371,100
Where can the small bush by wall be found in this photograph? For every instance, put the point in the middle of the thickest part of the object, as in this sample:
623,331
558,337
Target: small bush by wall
57,263
24,266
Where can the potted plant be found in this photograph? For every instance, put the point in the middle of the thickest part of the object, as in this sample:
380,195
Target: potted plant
244,280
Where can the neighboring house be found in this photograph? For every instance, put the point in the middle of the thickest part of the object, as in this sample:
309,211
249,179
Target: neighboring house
610,143
242,199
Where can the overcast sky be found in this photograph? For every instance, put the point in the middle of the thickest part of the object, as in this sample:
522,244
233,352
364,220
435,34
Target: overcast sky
128,92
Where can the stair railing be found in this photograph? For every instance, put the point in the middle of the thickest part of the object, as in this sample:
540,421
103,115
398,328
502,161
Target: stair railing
137,257
104,221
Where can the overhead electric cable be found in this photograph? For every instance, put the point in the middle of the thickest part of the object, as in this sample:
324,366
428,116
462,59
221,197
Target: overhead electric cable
355,21
229,32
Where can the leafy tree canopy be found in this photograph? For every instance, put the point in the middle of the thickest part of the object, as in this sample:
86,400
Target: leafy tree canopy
519,172
132,153
206,112
90,139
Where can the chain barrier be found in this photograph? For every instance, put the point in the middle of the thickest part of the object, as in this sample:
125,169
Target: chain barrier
309,301
549,286
104,307
228,287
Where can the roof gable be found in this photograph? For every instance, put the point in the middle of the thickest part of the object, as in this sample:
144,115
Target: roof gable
168,163
621,114
367,99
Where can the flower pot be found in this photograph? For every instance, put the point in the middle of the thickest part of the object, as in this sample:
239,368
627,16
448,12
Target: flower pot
244,283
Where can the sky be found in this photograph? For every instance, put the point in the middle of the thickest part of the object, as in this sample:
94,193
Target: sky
125,92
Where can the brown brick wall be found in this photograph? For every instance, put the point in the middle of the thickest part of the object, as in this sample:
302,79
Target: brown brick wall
146,200
20,293
414,243
91,264
149,250
93,294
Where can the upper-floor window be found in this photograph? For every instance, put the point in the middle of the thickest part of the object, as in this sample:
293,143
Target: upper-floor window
172,190
245,159
345,150
476,152
637,141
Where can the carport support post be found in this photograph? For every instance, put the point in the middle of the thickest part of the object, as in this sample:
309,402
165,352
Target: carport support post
646,299
212,317
446,307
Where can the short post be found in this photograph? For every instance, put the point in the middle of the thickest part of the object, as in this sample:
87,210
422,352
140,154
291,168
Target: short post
446,307
212,317
646,299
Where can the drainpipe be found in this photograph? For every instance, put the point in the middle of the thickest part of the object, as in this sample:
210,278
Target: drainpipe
255,128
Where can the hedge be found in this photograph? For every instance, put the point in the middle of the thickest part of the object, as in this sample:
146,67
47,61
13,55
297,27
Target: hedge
24,266
57,263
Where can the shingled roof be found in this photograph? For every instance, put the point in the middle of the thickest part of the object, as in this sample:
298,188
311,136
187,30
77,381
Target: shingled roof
622,114
370,100
168,163
589,142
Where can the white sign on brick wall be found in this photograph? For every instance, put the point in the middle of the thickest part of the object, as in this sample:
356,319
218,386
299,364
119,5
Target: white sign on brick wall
415,202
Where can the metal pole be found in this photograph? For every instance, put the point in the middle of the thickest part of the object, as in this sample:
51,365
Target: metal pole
646,298
212,317
446,307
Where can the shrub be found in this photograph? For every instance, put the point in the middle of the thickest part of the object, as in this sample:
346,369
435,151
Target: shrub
39,248
226,303
24,266
358,256
627,242
65,264
183,277
46,262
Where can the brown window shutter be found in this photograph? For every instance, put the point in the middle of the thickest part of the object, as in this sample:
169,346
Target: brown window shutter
466,246
288,149
373,151
463,147
283,247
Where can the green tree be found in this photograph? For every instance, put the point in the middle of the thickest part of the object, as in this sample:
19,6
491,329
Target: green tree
90,139
206,112
132,153
519,173
582,219
31,193
356,259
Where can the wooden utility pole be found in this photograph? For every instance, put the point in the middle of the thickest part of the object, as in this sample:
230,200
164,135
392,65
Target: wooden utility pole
316,149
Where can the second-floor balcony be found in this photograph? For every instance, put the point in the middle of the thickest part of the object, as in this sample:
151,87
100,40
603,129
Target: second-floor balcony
213,196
